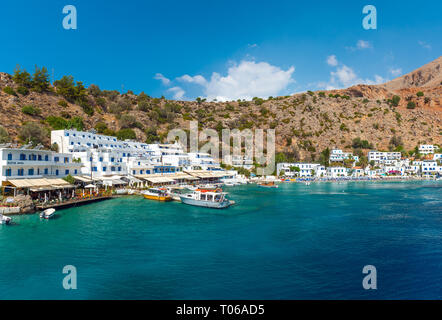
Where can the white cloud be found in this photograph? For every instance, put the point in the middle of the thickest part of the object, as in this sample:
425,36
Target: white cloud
332,61
396,72
344,77
245,80
254,45
362,44
162,78
196,79
424,45
178,92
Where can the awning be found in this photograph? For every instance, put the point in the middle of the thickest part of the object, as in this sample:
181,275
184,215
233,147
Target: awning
159,180
82,179
113,182
37,184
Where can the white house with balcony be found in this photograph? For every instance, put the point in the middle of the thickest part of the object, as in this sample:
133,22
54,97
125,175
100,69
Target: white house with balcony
336,172
427,148
239,161
203,161
380,157
337,155
430,167
33,163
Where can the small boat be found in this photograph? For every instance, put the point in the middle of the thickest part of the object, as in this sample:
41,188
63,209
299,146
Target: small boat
208,199
4,219
268,184
176,192
47,214
158,194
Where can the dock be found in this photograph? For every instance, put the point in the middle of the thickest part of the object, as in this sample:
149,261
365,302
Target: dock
72,203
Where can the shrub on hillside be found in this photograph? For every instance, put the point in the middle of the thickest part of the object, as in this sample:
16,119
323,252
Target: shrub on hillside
124,134
62,103
420,94
10,91
23,90
31,110
4,135
32,132
411,105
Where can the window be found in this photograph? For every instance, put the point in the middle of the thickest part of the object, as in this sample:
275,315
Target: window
30,172
104,169
134,172
67,134
119,168
94,169
75,171
20,172
101,159
56,159
56,172
46,171
141,171
66,172
39,157
112,168
8,172
22,156
66,160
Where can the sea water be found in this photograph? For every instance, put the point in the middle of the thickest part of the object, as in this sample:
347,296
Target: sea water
294,242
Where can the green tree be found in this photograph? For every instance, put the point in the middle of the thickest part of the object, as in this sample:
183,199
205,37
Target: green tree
66,88
324,157
40,80
395,101
22,78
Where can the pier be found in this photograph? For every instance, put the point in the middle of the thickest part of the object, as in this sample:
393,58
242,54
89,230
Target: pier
72,203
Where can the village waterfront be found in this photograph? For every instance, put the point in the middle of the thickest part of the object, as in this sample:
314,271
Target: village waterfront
297,241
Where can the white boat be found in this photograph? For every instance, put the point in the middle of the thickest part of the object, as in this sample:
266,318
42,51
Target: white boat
206,199
47,214
4,219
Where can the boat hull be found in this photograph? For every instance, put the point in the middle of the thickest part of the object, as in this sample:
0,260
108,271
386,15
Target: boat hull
157,198
205,204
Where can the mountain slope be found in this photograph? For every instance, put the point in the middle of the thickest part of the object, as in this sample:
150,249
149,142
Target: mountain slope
305,124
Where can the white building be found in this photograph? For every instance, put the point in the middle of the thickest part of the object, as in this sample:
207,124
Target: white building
437,156
380,157
239,161
337,155
33,163
336,172
305,169
203,161
430,167
427,148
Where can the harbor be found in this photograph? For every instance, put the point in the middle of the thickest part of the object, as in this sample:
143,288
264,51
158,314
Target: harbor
314,235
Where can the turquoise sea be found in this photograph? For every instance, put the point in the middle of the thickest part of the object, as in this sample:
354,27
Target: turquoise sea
295,242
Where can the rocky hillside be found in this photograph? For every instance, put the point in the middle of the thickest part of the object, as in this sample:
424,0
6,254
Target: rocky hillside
399,114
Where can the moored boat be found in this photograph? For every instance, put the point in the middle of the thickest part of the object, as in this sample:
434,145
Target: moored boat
158,194
268,184
207,199
47,214
4,219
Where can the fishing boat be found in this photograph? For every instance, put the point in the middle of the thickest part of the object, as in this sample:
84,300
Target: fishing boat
158,194
47,214
268,184
207,199
4,219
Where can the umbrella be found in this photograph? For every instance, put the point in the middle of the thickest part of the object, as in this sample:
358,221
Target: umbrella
90,186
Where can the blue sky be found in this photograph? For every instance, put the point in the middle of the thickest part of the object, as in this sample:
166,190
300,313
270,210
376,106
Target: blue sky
221,49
